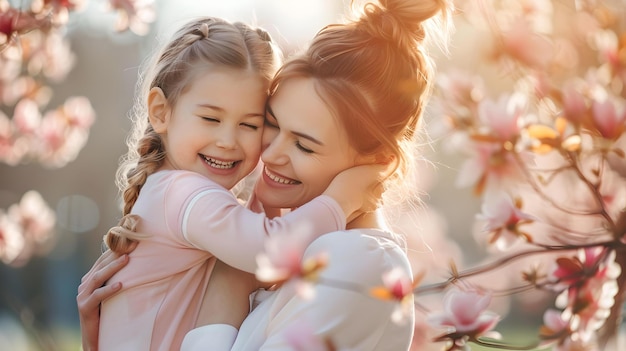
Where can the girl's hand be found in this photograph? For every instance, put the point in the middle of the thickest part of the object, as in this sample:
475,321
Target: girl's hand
358,189
92,291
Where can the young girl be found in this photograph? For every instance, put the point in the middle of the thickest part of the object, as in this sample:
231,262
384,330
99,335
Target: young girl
197,133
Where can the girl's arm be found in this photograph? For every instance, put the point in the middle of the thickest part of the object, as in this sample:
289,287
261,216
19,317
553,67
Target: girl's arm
214,221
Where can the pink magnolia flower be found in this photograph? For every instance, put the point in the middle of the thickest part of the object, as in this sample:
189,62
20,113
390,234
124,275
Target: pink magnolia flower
610,49
571,271
14,22
283,261
589,287
502,117
490,168
556,332
397,286
36,219
58,9
34,222
465,316
574,104
11,239
78,112
503,219
609,118
460,91
553,324
301,337
54,58
64,132
523,44
26,117
134,15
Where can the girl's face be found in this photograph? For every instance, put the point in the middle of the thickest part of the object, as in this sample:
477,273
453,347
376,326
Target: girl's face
307,146
215,128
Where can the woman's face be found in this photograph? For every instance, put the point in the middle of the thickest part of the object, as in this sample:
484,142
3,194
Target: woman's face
307,146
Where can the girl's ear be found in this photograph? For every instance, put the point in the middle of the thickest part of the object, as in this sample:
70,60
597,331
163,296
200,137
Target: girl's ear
158,110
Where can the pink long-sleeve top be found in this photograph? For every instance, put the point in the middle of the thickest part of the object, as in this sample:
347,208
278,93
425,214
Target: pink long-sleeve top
190,220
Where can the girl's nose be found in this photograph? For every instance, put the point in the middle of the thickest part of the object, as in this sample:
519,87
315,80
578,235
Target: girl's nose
226,139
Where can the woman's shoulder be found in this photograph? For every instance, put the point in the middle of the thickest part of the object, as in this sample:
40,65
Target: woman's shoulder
362,239
362,255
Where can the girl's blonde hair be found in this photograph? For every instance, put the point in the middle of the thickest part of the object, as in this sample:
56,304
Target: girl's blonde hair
197,45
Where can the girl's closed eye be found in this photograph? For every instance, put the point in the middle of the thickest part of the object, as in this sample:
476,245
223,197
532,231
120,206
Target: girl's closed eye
251,126
210,119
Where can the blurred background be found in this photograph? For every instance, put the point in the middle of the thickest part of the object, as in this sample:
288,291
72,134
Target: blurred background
38,289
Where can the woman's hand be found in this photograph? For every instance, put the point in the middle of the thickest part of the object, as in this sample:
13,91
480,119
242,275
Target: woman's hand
92,291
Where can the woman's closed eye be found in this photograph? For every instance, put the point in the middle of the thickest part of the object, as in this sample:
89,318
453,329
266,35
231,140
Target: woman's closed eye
303,149
270,124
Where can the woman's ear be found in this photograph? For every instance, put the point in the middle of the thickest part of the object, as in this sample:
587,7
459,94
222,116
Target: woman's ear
378,158
158,110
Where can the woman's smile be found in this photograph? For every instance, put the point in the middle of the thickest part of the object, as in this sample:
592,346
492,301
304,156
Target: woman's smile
275,178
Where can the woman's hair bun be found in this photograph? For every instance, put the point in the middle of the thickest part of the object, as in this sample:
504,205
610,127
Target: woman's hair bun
400,20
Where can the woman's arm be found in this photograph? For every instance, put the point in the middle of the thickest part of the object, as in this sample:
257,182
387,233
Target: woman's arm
92,291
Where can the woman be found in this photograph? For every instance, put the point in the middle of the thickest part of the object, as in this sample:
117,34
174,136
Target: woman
355,96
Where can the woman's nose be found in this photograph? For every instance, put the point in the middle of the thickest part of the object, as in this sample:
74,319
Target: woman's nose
273,152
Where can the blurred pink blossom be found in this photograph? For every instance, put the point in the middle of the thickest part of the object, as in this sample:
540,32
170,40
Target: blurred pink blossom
588,284
555,330
502,117
574,103
300,336
397,286
609,117
26,117
25,228
523,44
53,57
465,314
503,219
34,216
65,131
489,168
134,15
283,261
11,239
58,10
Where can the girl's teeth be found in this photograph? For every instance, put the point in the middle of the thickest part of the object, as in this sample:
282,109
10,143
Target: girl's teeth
278,179
219,164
